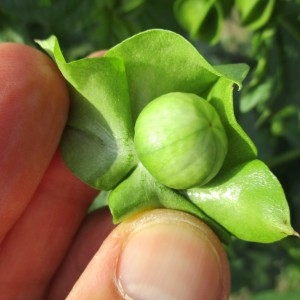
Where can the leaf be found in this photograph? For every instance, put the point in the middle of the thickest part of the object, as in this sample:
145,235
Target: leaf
256,13
134,194
100,201
248,201
140,192
129,6
240,146
235,72
258,94
51,46
97,142
201,18
156,63
285,123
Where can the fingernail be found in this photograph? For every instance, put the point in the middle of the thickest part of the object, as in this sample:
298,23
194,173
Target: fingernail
165,261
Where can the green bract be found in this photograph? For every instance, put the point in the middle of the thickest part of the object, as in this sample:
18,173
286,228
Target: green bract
240,196
180,139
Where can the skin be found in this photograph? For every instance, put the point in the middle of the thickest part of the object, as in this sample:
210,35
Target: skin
50,248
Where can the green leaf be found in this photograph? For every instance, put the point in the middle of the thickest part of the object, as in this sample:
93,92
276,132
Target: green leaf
128,6
240,146
235,72
51,46
258,94
256,13
156,63
201,18
248,201
285,123
140,192
97,142
100,201
134,194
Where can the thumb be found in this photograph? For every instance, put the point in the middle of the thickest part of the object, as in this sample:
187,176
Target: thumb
161,254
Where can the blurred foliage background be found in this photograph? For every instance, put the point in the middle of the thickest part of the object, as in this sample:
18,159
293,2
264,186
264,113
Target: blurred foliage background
262,33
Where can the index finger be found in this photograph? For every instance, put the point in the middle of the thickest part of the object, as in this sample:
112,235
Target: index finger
33,111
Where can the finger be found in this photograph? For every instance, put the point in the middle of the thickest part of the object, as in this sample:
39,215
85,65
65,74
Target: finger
91,235
161,254
33,250
97,53
33,111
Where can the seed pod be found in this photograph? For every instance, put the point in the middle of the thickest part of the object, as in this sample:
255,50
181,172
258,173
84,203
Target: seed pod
180,139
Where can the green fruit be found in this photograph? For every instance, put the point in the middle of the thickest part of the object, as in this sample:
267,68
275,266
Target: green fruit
180,140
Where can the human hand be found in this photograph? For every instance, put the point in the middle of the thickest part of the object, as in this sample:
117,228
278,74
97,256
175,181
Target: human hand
50,249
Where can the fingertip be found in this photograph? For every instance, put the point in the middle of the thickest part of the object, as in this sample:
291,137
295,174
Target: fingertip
99,53
173,256
20,62
160,254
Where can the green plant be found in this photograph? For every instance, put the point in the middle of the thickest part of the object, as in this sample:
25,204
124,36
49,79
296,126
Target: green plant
268,106
111,94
